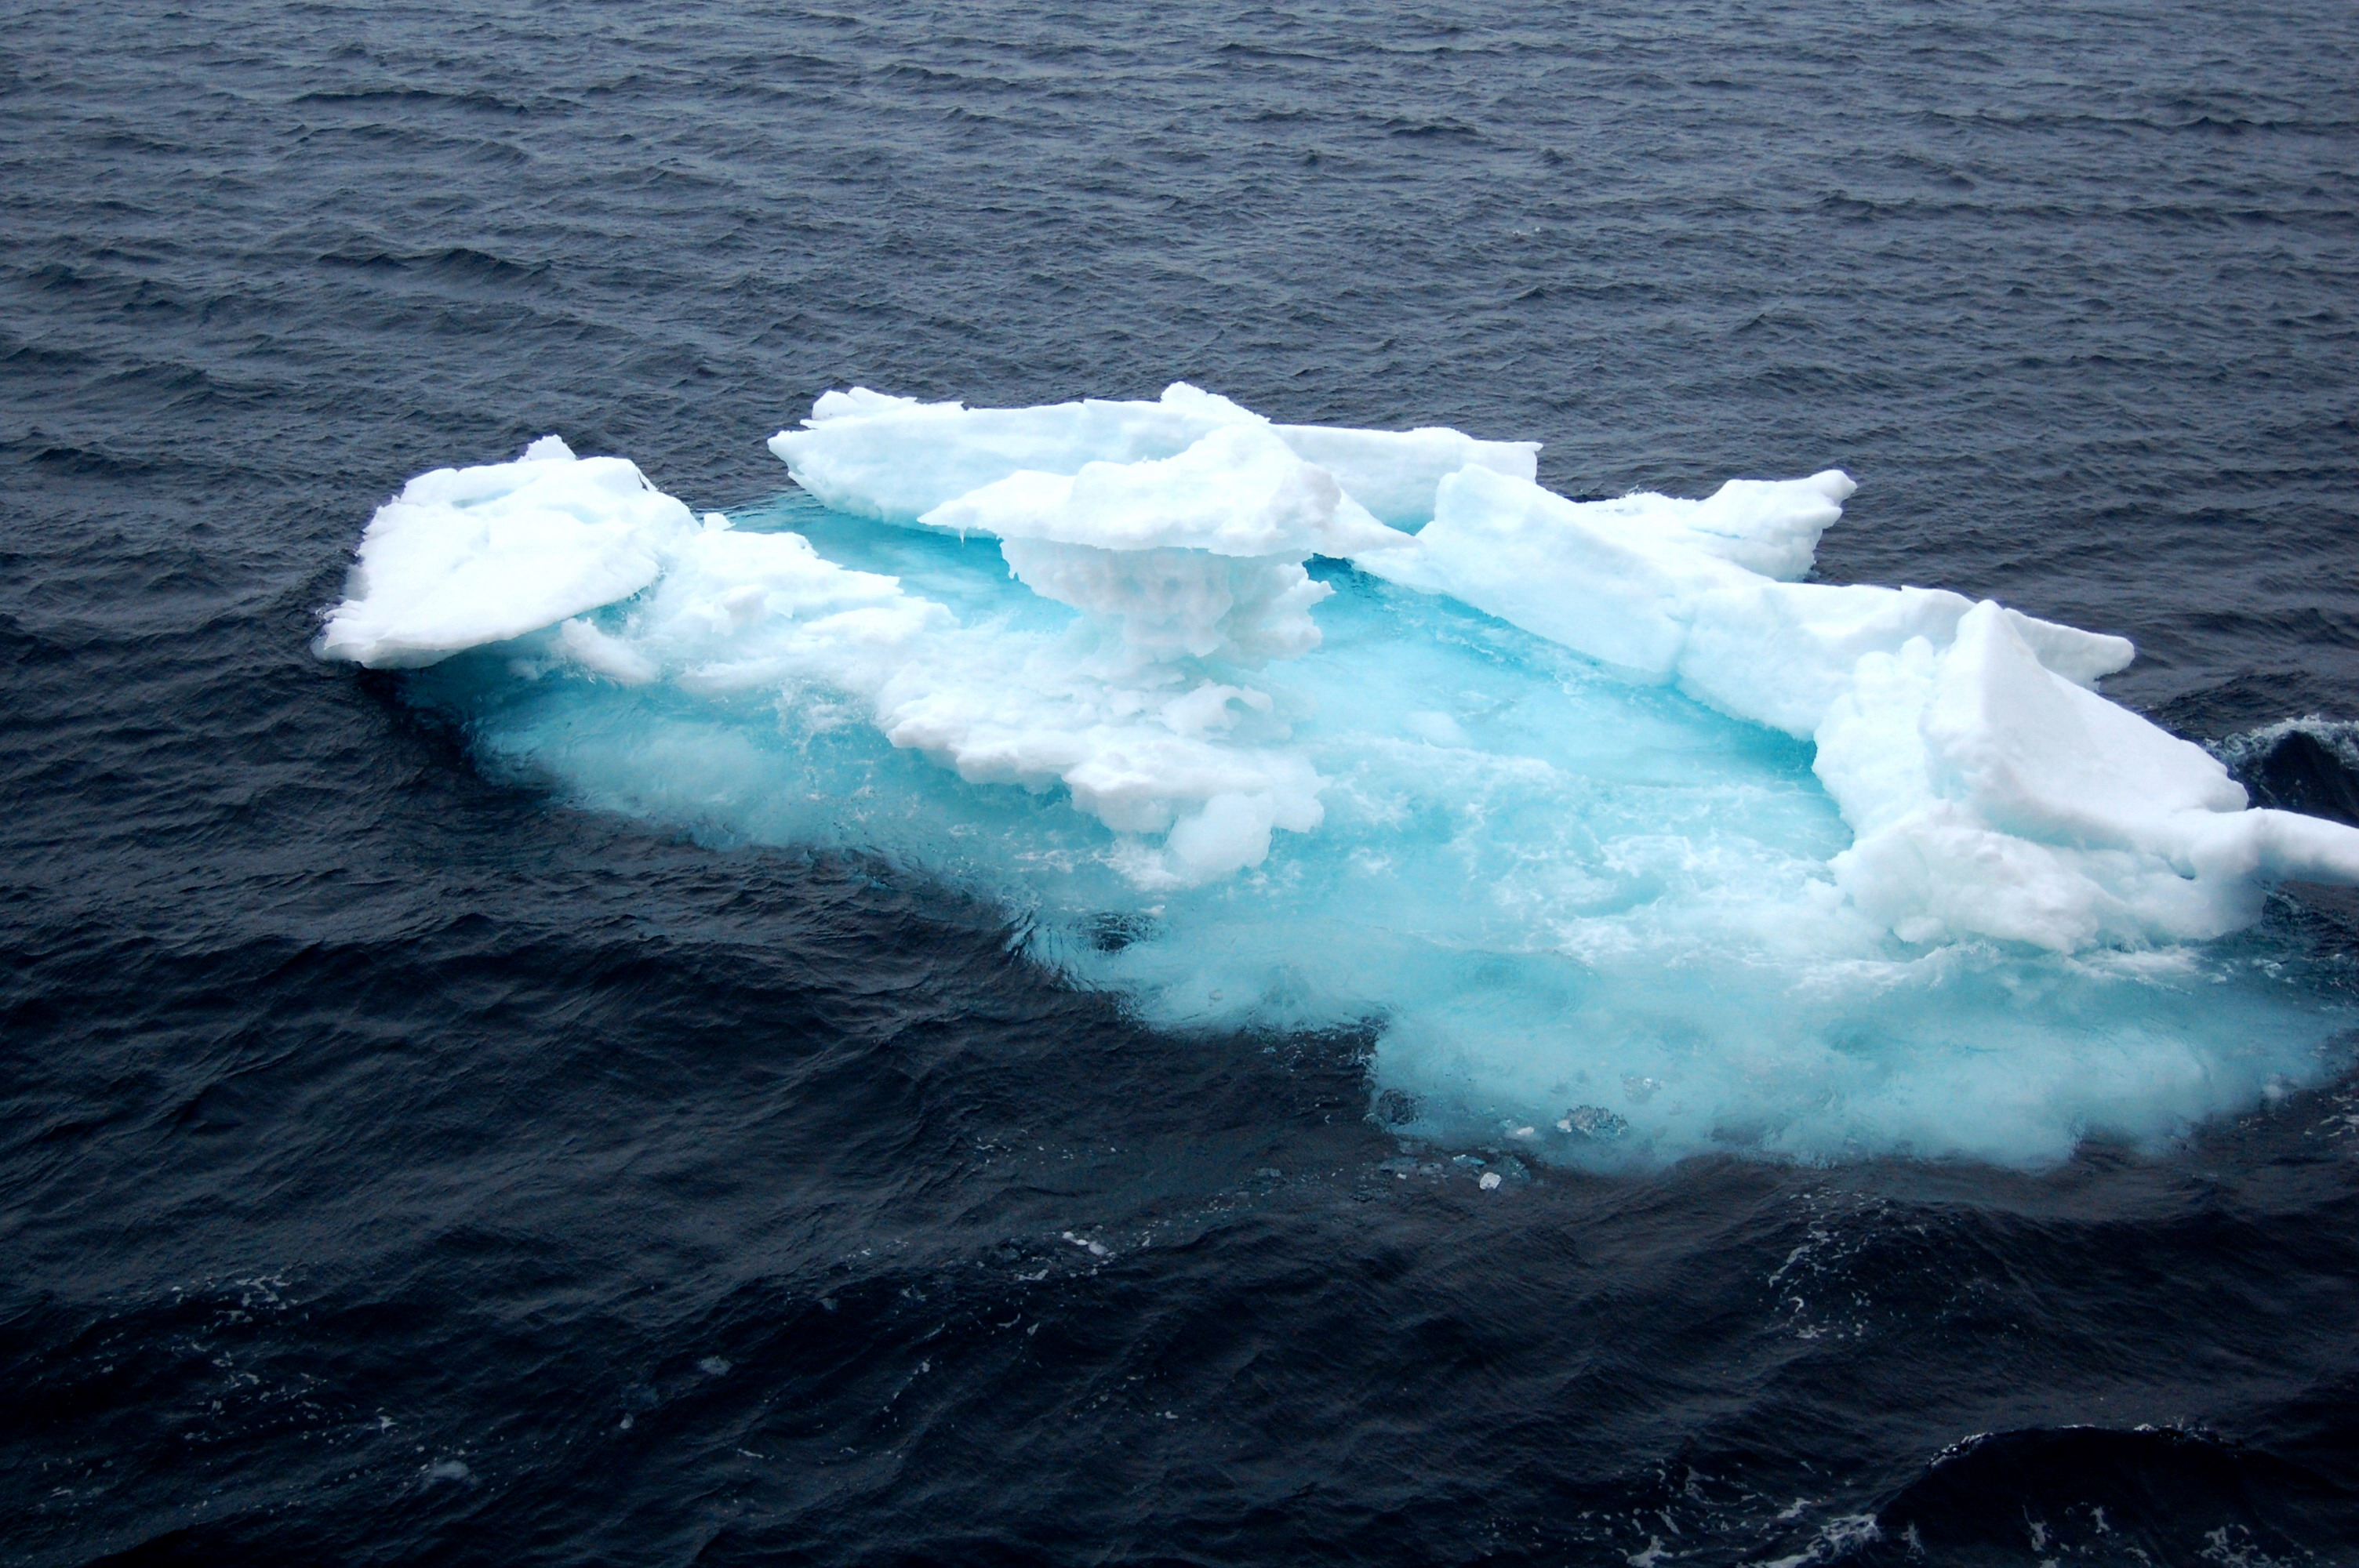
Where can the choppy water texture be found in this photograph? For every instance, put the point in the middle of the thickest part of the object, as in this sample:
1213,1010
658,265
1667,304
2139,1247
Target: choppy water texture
400,1167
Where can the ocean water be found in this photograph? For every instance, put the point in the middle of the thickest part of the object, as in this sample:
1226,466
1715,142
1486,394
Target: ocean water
408,1159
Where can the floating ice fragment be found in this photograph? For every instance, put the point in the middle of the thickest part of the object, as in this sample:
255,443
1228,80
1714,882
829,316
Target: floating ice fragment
1489,1180
1911,886
466,556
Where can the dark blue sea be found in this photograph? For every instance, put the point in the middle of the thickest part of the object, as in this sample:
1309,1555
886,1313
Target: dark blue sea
399,1165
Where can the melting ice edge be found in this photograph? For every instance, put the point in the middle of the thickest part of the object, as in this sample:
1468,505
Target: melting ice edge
1630,843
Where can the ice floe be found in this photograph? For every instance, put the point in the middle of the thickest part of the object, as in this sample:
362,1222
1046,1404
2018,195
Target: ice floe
1584,804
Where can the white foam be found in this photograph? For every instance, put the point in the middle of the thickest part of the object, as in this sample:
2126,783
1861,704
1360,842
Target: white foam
1912,886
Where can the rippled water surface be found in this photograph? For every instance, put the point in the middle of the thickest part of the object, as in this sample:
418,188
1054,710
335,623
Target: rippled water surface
396,1165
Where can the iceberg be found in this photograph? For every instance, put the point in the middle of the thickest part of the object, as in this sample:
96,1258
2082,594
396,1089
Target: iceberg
1622,840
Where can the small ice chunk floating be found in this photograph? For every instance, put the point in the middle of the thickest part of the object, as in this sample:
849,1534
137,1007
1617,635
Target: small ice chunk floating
1490,812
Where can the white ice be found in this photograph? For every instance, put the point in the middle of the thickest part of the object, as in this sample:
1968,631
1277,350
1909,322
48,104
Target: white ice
1611,822
895,458
1994,795
465,557
1198,553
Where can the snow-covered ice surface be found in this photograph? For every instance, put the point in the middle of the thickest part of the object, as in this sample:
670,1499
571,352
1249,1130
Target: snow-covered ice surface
1626,842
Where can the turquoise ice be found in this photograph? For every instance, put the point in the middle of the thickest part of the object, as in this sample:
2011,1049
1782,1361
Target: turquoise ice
1621,844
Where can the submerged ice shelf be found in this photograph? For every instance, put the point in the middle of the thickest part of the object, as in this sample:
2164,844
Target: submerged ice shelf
1629,842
